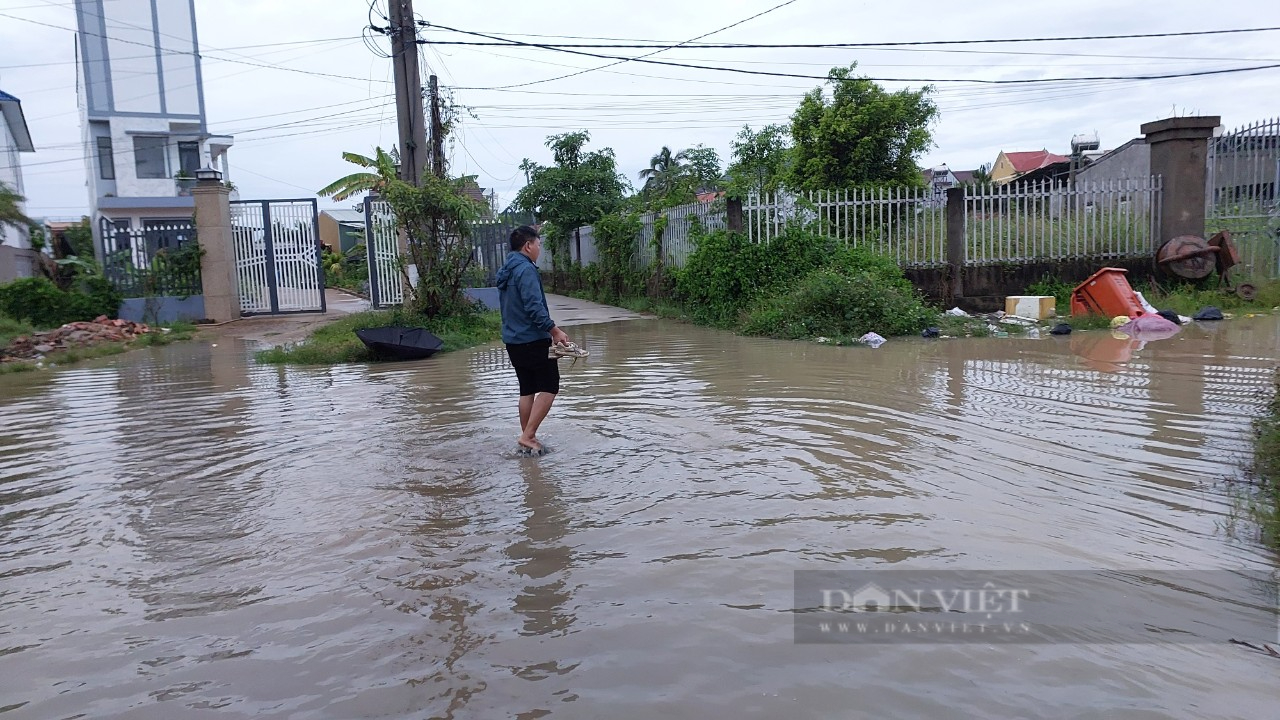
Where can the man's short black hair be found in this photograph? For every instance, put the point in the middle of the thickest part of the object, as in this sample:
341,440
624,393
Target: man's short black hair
521,235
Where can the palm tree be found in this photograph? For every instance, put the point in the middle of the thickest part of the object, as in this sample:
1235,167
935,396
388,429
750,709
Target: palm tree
10,210
664,171
384,165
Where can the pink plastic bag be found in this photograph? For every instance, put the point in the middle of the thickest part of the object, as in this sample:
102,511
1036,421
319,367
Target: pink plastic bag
1149,327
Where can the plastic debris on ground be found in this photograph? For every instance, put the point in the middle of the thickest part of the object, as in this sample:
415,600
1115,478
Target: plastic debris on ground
1171,316
1119,320
1034,333
1149,327
872,339
931,332
1017,320
1061,329
1209,313
957,312
1146,305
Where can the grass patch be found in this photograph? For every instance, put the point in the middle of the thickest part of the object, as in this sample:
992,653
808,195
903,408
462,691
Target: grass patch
337,341
158,337
1188,299
66,357
177,332
10,329
1087,322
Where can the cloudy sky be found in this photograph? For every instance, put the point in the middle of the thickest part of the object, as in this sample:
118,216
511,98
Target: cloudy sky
328,92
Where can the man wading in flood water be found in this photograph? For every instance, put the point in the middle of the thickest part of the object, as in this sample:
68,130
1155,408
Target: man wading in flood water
527,330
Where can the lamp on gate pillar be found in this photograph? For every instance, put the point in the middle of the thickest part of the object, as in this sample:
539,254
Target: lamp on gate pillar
208,174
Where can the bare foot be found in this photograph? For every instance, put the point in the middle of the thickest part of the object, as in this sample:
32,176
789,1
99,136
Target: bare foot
529,443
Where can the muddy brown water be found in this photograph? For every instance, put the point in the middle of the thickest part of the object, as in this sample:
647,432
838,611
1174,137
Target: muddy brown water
185,534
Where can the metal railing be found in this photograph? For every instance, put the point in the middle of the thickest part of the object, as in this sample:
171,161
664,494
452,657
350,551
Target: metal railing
906,224
1039,221
159,260
1243,194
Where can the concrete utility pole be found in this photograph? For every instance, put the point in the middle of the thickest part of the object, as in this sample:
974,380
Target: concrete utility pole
404,58
437,129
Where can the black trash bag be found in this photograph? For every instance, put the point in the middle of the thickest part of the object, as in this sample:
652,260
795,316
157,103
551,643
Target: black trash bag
1208,313
931,332
1061,329
1171,316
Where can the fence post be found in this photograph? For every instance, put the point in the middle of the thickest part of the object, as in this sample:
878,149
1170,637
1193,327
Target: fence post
1179,155
218,264
955,240
733,214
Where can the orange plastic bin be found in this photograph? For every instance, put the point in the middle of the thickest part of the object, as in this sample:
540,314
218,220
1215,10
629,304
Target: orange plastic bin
1107,293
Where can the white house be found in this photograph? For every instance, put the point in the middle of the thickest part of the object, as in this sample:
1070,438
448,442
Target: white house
142,111
16,257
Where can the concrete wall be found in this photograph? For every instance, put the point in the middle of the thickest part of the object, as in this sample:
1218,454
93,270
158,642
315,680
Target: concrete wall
986,286
16,263
488,296
163,309
1131,160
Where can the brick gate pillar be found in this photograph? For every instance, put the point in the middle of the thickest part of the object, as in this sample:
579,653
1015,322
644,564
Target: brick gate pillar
213,231
1179,155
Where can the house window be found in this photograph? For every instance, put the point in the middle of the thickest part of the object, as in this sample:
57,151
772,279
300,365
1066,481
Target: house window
106,159
148,157
189,157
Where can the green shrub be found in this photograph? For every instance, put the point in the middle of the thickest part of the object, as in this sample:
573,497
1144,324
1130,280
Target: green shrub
40,302
1058,288
834,304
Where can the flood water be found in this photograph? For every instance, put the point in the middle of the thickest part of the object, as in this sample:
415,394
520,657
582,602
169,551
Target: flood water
185,534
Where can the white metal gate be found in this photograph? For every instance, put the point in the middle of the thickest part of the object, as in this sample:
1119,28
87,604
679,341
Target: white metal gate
1243,194
382,247
278,260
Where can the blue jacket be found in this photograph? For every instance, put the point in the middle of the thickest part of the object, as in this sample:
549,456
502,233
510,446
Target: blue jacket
525,315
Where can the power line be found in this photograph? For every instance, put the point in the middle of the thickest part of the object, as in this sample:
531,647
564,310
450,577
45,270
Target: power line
144,57
800,46
196,54
824,78
655,52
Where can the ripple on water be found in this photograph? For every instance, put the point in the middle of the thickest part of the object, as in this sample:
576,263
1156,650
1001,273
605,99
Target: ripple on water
182,530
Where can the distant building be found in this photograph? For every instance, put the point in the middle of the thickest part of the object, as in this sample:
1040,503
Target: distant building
17,260
477,194
942,178
1035,164
142,111
341,230
1131,160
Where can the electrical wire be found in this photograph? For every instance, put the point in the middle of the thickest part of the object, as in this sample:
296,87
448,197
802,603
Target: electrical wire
824,78
189,52
620,61
804,46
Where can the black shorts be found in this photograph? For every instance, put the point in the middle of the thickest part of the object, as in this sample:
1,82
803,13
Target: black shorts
535,370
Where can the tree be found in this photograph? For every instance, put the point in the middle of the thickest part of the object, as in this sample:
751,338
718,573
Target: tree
760,160
383,165
982,176
578,189
863,136
11,209
663,174
703,168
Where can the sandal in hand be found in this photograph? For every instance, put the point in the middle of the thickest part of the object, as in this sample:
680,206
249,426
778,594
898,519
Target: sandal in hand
563,350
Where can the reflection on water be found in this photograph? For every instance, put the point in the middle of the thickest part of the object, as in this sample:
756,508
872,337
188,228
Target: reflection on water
183,532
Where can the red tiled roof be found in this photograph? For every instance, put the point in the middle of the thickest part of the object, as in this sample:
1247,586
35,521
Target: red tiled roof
709,196
1025,162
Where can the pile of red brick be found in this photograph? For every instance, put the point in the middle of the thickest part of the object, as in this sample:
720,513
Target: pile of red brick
72,335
